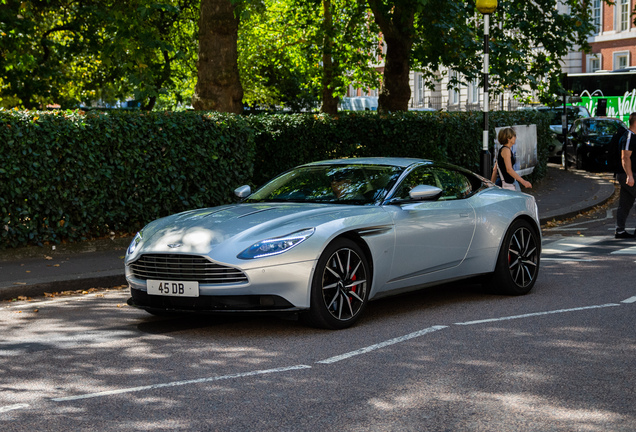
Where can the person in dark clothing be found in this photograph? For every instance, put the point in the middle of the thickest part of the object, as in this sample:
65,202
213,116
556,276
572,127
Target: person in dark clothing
626,179
504,166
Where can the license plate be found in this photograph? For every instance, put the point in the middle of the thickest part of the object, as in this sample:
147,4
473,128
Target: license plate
173,288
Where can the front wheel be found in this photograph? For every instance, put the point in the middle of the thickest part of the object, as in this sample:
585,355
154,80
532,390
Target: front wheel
518,261
340,286
580,161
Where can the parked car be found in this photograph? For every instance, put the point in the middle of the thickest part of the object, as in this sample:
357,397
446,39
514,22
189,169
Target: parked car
323,239
589,142
556,125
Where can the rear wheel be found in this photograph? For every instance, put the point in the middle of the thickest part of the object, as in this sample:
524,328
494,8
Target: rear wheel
340,287
518,262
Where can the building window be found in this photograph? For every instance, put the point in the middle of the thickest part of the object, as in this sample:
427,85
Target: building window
624,15
596,16
621,60
474,91
594,63
420,88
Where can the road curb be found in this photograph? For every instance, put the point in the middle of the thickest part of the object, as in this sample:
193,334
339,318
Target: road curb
605,193
38,289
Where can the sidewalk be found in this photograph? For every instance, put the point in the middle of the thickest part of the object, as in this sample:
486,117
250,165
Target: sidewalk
33,271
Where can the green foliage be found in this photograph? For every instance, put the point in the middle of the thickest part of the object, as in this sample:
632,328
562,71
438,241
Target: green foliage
284,141
528,40
71,176
281,45
67,53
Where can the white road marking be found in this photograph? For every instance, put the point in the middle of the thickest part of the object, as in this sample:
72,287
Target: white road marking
570,243
566,259
382,344
536,314
301,367
625,251
178,383
13,407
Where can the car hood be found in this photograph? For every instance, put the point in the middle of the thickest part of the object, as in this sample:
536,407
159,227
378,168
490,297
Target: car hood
199,231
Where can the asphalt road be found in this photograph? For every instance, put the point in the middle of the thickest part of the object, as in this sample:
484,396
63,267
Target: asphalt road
451,358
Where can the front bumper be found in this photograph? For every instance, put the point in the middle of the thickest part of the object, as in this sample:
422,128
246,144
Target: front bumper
280,288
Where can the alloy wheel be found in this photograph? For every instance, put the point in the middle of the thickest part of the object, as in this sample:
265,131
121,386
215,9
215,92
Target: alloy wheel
523,256
344,284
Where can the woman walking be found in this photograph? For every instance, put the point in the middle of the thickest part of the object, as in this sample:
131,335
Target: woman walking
506,161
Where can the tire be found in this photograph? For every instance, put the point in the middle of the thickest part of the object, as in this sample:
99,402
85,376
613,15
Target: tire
518,260
340,286
580,161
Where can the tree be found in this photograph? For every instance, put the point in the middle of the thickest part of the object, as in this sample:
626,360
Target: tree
67,52
528,41
350,46
396,20
297,52
218,87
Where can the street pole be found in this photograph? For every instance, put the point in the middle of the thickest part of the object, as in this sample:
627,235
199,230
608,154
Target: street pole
486,7
485,155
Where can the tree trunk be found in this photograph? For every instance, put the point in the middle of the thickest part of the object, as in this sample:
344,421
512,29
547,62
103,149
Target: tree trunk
396,91
329,102
397,26
218,87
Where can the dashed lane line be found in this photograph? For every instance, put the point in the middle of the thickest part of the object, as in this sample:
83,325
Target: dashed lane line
382,344
13,407
536,314
566,259
330,360
179,383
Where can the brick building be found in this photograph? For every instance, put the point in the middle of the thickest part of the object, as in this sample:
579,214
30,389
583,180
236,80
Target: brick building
614,44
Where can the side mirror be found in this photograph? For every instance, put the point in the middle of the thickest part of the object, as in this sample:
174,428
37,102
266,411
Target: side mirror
243,191
425,193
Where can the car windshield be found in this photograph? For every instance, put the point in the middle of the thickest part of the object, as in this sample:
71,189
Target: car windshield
599,127
337,183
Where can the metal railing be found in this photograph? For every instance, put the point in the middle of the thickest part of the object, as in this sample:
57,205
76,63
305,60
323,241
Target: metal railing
444,103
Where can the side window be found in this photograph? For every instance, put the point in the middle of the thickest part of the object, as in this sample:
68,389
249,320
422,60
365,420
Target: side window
419,176
454,183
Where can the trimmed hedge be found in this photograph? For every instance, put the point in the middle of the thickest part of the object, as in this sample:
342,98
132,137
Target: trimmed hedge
70,176
284,141
74,175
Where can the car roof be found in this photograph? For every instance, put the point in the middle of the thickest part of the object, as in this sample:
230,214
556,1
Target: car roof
388,161
590,119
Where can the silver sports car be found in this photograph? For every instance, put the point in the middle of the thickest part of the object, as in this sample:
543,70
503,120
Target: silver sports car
325,238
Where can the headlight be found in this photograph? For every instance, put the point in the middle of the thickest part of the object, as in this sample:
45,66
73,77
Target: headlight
276,245
134,243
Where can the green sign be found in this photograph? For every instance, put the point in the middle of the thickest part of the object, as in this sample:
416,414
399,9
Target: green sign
619,107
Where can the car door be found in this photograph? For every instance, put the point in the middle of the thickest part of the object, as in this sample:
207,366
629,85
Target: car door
432,235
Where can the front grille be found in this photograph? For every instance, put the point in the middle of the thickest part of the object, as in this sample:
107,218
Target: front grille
175,267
